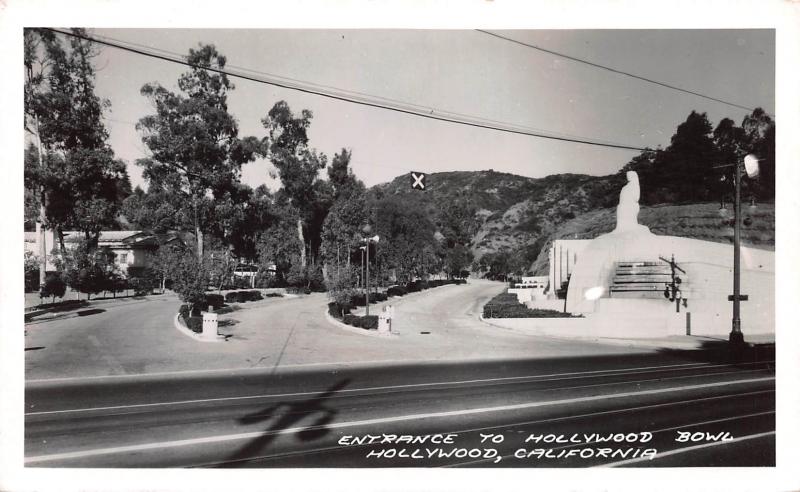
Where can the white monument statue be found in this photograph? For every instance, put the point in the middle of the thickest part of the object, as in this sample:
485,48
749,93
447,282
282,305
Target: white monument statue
628,208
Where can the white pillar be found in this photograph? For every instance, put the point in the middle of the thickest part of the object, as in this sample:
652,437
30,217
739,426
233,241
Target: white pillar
210,326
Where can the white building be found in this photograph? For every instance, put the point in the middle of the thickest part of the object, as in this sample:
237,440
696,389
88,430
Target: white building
133,249
563,256
531,289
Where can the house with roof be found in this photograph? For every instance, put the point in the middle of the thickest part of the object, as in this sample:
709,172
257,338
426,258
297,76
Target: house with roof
133,249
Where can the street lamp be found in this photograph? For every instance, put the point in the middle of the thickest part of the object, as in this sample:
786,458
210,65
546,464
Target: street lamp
367,241
751,168
361,273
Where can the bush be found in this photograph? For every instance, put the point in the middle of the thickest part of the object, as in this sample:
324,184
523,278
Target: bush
215,300
54,286
195,323
337,310
227,309
245,295
184,311
366,322
505,305
191,319
396,290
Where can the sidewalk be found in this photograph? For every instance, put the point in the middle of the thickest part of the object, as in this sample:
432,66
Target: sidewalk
686,342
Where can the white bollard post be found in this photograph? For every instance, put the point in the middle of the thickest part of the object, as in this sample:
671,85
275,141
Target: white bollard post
383,321
210,326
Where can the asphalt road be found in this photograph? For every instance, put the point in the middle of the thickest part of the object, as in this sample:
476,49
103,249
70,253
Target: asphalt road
566,411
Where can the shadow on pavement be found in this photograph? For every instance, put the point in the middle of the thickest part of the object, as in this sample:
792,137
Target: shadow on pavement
89,312
286,416
721,351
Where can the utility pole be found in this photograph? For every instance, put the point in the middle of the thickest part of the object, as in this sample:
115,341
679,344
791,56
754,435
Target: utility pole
751,167
736,337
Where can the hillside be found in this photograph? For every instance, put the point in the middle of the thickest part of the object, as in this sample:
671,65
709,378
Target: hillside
513,211
526,214
697,221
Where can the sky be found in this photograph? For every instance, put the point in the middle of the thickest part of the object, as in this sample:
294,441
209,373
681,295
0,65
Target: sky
458,71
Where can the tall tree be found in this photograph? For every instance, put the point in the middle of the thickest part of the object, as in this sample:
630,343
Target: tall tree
407,245
689,159
79,183
457,225
759,131
341,231
297,166
193,140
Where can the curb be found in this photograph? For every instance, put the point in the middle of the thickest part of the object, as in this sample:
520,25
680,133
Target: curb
623,342
195,336
360,331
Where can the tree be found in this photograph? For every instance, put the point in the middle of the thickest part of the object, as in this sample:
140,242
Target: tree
278,246
78,183
156,210
190,278
689,159
342,287
341,230
297,166
88,270
164,261
457,226
759,131
32,264
407,244
192,138
341,176
54,286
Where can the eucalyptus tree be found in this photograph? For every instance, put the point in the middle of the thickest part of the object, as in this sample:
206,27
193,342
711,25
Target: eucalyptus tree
286,145
192,138
71,172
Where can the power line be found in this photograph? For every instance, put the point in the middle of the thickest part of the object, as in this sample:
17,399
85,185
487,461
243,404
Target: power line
614,70
351,99
342,92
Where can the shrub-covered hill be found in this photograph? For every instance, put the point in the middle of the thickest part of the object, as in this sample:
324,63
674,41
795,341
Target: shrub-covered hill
696,221
523,215
512,211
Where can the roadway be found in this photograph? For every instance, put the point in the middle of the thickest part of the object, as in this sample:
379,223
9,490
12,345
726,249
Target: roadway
326,416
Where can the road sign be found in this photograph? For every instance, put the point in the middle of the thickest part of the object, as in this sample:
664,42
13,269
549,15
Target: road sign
417,181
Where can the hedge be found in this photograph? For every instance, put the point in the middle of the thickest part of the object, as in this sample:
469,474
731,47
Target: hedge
397,291
366,322
194,323
215,300
245,295
505,305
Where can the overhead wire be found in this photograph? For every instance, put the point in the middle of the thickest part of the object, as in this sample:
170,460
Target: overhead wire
419,112
339,91
613,70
